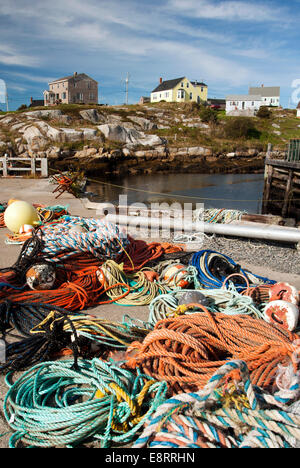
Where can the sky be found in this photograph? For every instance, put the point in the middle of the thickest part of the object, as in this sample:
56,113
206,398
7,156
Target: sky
229,45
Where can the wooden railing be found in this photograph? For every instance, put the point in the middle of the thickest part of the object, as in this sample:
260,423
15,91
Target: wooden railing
28,165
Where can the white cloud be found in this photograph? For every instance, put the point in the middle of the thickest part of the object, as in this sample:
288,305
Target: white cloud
228,10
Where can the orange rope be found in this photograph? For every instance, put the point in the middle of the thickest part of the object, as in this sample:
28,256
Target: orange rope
186,351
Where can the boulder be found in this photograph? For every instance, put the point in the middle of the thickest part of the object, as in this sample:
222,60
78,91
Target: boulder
129,137
70,134
51,133
48,113
31,133
89,134
92,115
145,124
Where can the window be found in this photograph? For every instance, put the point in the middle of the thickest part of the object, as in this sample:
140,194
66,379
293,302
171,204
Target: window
188,85
167,94
202,89
252,103
64,95
89,85
80,96
191,96
182,84
92,96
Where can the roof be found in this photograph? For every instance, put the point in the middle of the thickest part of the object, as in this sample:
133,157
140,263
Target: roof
170,84
266,91
74,78
243,97
198,83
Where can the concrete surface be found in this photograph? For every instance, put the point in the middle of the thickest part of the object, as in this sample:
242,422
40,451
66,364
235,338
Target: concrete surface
40,191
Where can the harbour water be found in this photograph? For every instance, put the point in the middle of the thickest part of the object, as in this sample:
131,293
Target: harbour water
231,191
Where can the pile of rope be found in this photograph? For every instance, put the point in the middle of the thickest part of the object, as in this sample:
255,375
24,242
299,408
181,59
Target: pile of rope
216,215
227,301
223,416
214,268
53,405
102,240
186,351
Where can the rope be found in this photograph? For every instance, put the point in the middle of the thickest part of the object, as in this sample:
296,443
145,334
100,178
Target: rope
52,405
214,268
186,351
222,417
141,290
220,216
226,301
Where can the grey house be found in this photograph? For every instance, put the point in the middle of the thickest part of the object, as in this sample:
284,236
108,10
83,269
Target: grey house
270,95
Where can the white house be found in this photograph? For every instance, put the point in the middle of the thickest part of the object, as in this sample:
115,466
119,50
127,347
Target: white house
298,111
270,95
243,105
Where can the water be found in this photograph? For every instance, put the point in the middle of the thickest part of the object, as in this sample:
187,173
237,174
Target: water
229,191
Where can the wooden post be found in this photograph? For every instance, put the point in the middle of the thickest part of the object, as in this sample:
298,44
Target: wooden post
32,162
287,194
4,164
44,167
268,181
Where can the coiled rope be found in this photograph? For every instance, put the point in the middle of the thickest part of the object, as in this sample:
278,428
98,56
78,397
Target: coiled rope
220,417
227,301
53,405
214,268
186,351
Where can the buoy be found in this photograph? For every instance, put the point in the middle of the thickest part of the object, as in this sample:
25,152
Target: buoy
26,229
12,200
151,275
282,313
174,276
193,297
18,214
284,292
41,277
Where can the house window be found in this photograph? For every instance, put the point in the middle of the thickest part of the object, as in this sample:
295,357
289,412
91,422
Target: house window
89,85
202,89
252,103
191,96
182,84
57,96
64,95
180,94
80,96
188,85
92,96
167,94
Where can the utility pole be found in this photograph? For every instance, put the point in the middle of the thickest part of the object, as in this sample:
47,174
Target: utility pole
127,87
6,98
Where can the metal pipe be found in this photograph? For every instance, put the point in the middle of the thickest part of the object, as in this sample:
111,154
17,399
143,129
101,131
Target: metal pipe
265,232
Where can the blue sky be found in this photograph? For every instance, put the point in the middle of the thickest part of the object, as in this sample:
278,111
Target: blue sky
228,44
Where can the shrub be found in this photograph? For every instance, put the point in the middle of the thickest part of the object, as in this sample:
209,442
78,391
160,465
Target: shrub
22,107
240,127
264,113
208,115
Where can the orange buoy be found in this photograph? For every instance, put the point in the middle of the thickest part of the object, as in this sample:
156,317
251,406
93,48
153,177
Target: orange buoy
284,292
282,313
175,276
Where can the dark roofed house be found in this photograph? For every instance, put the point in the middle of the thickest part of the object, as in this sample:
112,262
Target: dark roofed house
270,95
180,90
36,102
78,88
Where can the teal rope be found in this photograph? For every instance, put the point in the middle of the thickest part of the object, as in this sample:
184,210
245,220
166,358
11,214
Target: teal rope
53,405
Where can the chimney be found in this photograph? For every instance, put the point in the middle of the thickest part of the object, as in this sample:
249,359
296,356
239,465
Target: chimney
31,100
75,73
160,80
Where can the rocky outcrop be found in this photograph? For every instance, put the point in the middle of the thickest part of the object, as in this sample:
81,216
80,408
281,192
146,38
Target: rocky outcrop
129,137
92,115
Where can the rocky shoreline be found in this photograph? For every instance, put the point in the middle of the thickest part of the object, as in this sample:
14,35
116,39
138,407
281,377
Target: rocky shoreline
118,141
